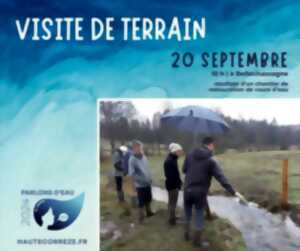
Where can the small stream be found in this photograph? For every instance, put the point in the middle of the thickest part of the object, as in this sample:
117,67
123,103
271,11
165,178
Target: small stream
262,231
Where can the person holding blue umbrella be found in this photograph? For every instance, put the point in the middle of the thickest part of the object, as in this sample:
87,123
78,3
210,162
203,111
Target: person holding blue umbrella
196,120
199,168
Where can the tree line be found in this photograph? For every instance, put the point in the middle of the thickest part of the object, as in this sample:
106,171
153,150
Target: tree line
120,123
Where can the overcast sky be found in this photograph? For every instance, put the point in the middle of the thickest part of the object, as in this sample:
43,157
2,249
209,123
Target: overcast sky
285,111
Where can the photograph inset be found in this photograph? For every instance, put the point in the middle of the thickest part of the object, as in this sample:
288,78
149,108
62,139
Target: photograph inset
214,174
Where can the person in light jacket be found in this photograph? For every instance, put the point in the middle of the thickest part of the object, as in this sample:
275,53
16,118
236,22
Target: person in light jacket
140,172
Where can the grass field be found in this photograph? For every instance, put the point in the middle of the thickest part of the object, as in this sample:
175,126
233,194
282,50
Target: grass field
155,234
255,174
258,175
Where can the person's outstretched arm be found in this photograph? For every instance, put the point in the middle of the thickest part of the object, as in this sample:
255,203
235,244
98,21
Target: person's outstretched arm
221,178
219,175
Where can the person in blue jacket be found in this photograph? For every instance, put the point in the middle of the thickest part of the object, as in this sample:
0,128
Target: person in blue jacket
117,159
125,160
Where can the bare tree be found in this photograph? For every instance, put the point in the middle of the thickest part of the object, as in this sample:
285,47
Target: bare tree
114,117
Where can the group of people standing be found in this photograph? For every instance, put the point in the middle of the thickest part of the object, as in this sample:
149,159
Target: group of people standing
199,168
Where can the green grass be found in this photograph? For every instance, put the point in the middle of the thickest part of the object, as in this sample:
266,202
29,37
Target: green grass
255,174
258,175
155,234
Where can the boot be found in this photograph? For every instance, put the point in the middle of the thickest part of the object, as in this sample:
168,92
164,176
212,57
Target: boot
172,221
121,196
141,216
209,215
134,202
197,241
187,231
149,211
172,217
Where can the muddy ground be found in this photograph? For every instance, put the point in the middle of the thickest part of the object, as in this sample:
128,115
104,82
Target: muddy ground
121,231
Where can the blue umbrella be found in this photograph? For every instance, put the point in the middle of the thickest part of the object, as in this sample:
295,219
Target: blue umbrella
195,119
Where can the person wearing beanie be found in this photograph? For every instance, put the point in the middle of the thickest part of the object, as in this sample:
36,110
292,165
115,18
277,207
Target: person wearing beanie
172,179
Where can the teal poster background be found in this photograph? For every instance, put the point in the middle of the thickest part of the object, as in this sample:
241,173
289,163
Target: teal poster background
49,92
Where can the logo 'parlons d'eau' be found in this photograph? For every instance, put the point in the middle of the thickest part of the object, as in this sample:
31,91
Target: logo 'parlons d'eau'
57,214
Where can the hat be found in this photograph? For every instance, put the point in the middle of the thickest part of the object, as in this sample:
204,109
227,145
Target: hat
174,147
137,142
123,148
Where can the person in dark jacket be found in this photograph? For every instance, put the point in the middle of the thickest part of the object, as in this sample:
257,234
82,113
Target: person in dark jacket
173,181
199,168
